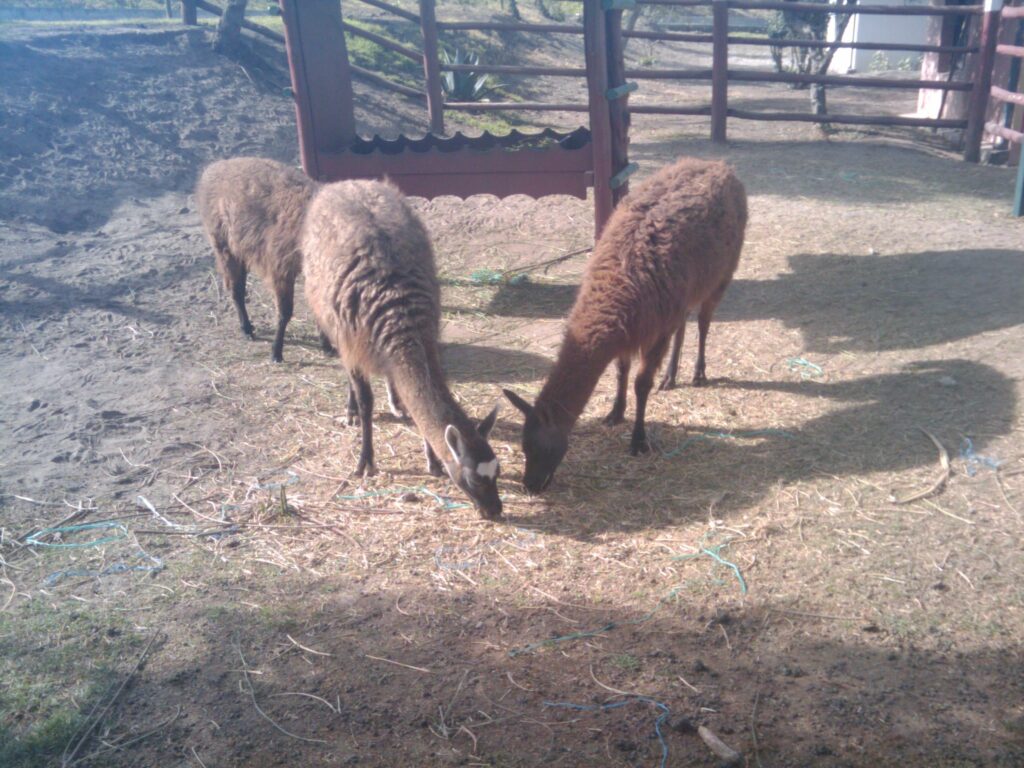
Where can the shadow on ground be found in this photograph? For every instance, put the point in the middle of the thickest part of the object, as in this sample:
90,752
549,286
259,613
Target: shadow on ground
844,303
874,427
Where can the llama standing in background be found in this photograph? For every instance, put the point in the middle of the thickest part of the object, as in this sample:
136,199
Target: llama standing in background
252,210
672,245
372,285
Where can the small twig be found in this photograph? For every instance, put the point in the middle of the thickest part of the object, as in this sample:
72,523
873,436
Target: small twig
947,513
684,681
613,690
400,664
252,695
197,757
308,696
940,481
517,685
122,744
297,644
94,719
753,728
727,754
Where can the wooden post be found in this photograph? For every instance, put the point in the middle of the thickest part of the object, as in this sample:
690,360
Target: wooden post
321,78
978,104
1018,195
618,108
432,66
719,70
595,53
188,13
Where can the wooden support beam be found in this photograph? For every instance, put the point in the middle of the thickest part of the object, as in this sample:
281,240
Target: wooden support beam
384,42
431,66
719,70
978,104
596,55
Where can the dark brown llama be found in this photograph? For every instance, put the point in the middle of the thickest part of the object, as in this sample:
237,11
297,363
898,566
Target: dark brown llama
671,246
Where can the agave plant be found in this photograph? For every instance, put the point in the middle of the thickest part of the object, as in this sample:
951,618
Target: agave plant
465,85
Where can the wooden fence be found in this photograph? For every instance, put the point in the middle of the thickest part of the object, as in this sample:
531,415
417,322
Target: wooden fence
1010,98
719,74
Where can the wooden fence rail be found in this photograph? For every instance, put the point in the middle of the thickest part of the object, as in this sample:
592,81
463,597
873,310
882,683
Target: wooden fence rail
1009,99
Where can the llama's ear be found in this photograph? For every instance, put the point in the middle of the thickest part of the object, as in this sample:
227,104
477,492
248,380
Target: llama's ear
453,438
518,402
485,426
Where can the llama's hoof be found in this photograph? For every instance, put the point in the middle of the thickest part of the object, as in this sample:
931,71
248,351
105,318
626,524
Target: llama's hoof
639,446
612,419
276,357
667,384
435,470
352,419
365,469
700,380
249,332
398,412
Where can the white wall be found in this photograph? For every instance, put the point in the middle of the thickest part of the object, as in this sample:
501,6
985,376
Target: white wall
872,28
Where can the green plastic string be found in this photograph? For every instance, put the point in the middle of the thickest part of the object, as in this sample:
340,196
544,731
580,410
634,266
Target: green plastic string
34,541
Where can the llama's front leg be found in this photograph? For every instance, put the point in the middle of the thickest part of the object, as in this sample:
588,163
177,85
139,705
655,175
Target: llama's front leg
285,306
617,413
643,384
434,465
364,401
668,380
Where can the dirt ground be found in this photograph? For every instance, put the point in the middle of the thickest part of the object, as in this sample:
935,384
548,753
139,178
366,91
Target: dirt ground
757,574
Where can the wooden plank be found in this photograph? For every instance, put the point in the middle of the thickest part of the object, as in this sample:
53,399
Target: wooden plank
188,13
1018,195
1013,12
800,117
1011,50
978,103
384,42
431,63
502,26
1006,96
877,10
618,105
596,57
401,12
787,42
1000,130
506,106
752,76
669,37
719,71
512,69
666,109
669,74
261,30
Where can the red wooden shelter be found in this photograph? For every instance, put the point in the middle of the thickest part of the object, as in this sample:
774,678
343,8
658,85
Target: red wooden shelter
545,163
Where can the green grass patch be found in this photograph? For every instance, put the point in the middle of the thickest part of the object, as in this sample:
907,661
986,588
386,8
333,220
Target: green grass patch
54,665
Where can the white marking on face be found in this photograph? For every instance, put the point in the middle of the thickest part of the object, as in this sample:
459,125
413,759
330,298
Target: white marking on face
487,469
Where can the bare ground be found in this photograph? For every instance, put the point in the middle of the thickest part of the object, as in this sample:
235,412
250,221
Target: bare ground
754,575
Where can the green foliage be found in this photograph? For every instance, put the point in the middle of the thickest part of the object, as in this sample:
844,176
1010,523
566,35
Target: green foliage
369,55
465,85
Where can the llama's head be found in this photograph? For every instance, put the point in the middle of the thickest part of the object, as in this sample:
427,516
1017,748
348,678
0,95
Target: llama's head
474,467
544,443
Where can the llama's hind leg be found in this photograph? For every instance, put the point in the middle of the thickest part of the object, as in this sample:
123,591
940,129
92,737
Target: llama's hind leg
617,413
668,379
235,275
285,305
394,401
707,310
652,357
364,400
325,344
352,411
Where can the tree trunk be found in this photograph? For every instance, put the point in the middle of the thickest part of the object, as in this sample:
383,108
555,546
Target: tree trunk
169,4
229,28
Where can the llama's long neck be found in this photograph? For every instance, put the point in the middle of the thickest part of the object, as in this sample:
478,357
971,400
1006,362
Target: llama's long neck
575,374
419,379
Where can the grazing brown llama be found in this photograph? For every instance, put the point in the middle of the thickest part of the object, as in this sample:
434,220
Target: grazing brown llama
671,246
372,286
252,210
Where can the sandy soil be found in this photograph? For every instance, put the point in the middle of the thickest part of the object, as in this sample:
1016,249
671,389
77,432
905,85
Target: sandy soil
865,632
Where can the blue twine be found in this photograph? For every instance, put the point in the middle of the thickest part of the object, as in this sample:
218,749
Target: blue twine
292,480
976,460
715,554
119,567
808,370
444,502
727,436
494,277
660,721
34,541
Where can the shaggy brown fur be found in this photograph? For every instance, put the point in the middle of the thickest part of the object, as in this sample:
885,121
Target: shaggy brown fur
372,286
252,211
671,246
